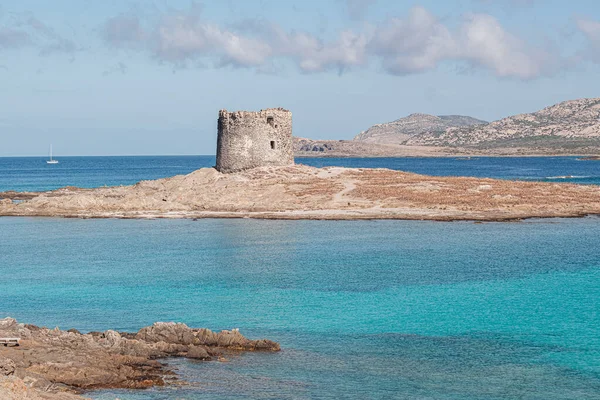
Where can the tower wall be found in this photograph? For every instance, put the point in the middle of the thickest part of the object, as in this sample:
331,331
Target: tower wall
254,139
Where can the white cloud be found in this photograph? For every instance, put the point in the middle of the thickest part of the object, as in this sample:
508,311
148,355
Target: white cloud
183,37
314,55
416,43
421,42
484,42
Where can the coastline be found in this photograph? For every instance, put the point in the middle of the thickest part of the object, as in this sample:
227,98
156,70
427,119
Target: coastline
593,156
302,192
323,215
309,148
583,156
53,364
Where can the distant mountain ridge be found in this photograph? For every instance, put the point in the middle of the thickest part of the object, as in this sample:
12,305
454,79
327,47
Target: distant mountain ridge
568,128
570,123
401,130
573,122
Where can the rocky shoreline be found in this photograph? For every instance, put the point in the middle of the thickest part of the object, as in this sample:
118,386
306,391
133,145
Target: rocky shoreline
302,192
53,364
352,149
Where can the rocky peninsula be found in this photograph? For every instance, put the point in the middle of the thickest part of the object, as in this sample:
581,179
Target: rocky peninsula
568,128
302,192
52,364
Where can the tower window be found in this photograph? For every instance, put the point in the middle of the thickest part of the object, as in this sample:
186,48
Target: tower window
272,145
270,121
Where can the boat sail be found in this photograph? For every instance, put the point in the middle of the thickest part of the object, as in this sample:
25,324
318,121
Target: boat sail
51,161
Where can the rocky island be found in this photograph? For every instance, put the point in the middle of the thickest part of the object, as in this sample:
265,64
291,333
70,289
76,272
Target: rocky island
52,364
302,192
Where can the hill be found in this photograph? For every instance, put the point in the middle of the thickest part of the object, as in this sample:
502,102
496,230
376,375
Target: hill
568,128
401,130
567,125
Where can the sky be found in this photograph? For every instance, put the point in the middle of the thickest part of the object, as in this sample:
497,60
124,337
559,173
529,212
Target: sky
114,77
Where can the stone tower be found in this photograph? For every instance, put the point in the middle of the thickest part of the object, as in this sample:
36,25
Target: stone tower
254,139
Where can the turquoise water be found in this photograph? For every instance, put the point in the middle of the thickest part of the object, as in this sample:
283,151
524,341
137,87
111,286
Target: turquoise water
363,309
33,174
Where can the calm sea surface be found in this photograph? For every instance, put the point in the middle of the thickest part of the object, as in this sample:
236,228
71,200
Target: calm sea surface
33,174
363,309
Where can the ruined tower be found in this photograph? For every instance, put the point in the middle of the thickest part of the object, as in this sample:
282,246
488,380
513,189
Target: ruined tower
254,139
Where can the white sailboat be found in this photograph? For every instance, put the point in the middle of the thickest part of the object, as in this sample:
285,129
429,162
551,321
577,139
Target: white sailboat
51,161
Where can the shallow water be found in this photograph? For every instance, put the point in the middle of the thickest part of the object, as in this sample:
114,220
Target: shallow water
363,309
33,174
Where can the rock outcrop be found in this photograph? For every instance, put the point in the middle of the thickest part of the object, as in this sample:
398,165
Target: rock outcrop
54,362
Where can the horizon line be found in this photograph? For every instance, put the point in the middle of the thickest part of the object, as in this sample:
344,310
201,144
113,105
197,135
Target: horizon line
113,155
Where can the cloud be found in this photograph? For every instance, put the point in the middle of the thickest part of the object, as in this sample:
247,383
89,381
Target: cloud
314,55
49,41
416,43
591,31
421,42
180,37
123,30
28,31
484,42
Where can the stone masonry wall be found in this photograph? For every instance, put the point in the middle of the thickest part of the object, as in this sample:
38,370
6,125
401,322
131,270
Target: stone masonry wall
254,139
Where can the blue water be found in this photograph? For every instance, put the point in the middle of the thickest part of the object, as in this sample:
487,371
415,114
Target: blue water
363,309
33,174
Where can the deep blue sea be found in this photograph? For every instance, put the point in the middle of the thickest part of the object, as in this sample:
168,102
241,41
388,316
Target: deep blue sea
362,309
33,174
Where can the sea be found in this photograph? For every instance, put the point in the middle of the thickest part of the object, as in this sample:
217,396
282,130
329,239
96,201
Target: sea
362,309
33,174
